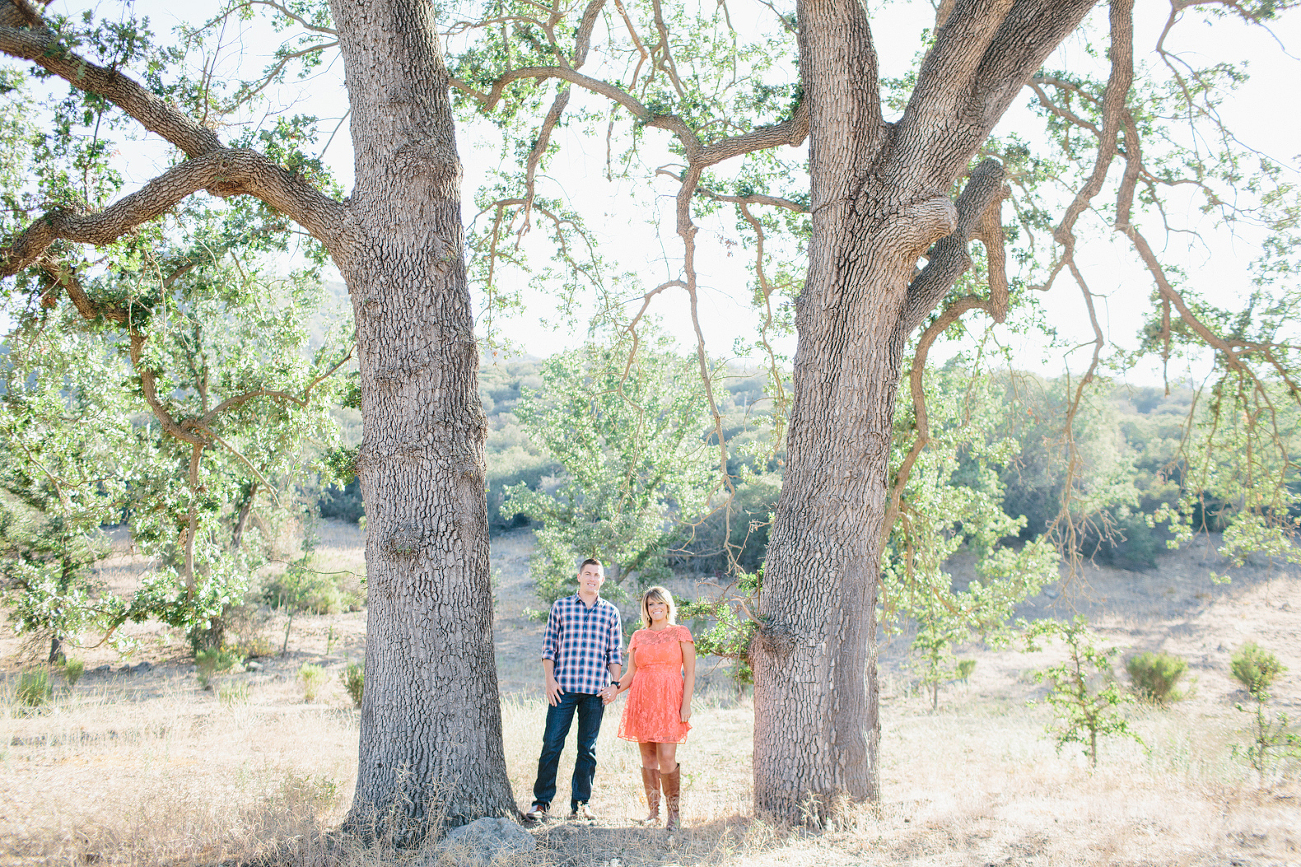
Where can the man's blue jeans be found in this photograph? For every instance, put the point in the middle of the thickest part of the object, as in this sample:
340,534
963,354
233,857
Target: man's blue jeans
590,708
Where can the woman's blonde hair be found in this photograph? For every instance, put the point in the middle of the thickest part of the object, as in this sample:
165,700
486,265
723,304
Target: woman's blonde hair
657,594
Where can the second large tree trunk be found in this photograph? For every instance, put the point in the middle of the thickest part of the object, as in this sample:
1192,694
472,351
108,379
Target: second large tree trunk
431,749
816,727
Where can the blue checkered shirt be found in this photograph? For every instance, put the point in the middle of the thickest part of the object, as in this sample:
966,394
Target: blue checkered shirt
583,642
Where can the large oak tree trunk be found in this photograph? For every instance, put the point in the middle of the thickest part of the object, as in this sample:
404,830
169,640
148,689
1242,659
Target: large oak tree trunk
880,198
431,741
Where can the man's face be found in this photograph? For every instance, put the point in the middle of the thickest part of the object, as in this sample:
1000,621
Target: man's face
591,577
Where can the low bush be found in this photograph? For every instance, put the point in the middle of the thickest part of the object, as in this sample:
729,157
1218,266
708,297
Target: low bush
1271,737
354,681
72,671
312,678
1256,669
34,688
207,663
1154,676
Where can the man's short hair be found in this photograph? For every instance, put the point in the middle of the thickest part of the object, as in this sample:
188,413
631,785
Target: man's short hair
590,561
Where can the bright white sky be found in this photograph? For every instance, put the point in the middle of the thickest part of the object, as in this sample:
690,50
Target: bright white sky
1260,117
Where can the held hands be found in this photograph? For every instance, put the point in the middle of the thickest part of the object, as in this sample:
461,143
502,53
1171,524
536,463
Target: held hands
609,694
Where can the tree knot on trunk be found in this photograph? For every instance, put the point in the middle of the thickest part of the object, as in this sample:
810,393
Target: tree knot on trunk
775,639
406,540
921,224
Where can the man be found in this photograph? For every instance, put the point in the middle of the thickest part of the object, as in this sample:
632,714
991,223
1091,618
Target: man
582,654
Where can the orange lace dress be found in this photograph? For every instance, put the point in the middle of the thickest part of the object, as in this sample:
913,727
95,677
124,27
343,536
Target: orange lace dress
653,712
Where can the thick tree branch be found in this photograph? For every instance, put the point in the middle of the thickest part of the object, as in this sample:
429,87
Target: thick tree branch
946,121
21,13
961,40
978,208
223,172
233,171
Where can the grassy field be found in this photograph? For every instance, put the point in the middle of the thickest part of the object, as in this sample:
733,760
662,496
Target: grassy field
144,767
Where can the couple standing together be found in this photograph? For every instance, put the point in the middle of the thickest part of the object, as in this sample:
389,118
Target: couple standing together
582,660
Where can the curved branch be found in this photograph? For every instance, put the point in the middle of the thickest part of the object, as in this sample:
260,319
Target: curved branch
236,170
791,131
978,208
752,199
1113,109
950,315
293,16
149,388
223,172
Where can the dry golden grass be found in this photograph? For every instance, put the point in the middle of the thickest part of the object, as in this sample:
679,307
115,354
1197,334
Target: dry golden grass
180,778
147,769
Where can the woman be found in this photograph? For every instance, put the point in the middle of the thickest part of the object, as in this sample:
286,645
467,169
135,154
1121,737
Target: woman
660,678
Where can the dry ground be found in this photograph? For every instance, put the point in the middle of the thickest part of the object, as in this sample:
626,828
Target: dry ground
143,767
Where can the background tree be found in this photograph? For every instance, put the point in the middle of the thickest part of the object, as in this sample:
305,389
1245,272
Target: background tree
952,499
1083,693
101,417
64,444
628,430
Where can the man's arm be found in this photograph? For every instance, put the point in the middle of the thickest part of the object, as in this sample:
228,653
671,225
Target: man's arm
614,657
554,692
550,646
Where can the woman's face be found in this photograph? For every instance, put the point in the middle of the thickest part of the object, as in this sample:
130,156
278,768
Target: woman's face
657,610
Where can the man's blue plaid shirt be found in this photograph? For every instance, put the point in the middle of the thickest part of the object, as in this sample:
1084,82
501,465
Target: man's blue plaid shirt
583,642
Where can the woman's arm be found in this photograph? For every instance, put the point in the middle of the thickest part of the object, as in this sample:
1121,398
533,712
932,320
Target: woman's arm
689,677
626,680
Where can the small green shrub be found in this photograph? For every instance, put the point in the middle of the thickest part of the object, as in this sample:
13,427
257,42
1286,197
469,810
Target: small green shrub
312,678
72,671
233,692
34,688
1082,691
964,669
354,681
1270,735
207,663
1155,675
302,590
1256,669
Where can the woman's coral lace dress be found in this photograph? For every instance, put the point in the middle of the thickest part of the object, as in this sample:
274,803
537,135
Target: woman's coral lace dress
653,712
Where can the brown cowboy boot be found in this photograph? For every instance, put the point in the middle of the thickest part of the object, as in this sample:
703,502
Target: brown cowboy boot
671,780
650,778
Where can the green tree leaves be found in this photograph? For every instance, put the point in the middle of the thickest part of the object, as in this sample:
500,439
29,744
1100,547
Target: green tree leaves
629,432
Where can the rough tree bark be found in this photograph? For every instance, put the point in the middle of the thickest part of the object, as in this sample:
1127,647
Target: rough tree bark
430,717
431,742
881,197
